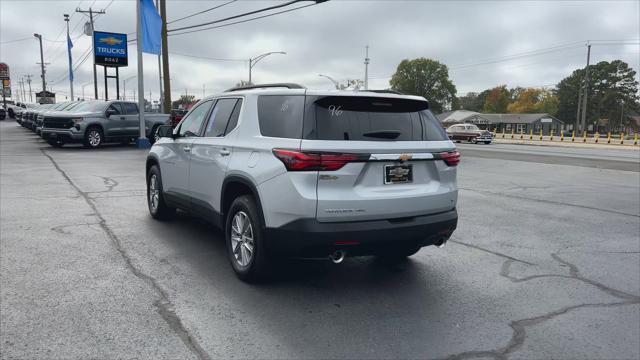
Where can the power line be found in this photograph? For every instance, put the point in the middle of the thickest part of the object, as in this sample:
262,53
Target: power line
206,58
201,12
243,21
236,16
16,40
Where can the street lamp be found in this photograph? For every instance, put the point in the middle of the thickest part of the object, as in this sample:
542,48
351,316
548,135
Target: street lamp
335,82
124,87
89,83
254,61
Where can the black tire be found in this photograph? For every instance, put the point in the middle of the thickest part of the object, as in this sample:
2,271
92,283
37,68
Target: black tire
93,137
257,268
159,210
55,143
11,113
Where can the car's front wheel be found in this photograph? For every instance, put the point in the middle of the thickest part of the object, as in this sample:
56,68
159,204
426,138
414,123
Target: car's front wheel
93,137
245,240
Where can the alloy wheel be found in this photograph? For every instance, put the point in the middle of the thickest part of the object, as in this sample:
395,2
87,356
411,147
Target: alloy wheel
154,193
242,244
94,138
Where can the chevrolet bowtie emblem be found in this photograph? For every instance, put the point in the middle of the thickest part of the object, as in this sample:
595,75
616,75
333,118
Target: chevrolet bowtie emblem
110,41
406,157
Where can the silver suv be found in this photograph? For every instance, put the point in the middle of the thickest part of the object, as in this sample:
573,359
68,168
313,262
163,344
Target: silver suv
288,171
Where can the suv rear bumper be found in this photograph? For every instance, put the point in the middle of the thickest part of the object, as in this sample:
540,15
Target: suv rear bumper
311,238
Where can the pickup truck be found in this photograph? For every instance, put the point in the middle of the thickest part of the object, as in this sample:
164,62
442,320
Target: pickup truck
95,122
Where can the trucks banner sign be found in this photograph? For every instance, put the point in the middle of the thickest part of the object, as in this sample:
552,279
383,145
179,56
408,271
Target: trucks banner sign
110,49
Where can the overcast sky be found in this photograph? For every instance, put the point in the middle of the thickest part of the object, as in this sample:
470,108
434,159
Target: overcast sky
473,38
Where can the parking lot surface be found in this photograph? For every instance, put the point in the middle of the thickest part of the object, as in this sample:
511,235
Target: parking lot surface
545,264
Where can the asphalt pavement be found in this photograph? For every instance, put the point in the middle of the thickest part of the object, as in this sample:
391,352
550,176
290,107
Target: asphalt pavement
545,264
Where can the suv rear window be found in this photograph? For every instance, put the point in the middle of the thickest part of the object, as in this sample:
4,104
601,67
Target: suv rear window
281,115
360,118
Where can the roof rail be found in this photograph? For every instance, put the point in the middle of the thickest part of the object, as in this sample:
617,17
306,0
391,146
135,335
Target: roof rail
261,86
388,91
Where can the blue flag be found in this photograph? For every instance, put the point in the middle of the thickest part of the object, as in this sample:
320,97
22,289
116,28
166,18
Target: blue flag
69,47
151,27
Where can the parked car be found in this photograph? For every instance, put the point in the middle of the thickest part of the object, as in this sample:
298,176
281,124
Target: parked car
470,133
23,107
93,123
176,116
29,116
62,107
295,172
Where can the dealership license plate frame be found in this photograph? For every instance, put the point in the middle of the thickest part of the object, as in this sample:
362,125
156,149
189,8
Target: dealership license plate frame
392,175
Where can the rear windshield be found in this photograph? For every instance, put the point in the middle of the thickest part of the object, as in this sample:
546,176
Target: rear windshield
371,119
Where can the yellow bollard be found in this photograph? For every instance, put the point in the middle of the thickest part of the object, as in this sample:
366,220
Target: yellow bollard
621,138
573,136
531,135
609,137
635,139
513,132
561,135
540,134
584,137
503,133
521,133
596,136
550,135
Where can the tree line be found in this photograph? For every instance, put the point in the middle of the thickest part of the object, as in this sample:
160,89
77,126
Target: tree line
612,92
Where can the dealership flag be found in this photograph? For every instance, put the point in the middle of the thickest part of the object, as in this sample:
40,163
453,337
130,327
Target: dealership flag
69,47
151,27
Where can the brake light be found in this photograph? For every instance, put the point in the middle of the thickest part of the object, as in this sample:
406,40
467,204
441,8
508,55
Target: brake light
316,161
450,158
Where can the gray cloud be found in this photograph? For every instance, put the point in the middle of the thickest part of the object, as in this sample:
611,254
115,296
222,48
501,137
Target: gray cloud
330,39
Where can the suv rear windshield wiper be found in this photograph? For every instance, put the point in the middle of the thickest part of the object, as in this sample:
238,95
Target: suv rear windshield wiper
383,134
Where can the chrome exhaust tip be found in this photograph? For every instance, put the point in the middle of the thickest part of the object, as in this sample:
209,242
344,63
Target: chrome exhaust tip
338,256
440,244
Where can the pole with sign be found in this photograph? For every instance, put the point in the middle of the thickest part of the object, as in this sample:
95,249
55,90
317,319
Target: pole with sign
6,83
110,52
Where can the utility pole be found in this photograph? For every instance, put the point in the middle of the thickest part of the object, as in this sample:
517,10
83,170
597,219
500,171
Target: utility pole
142,141
578,124
29,82
66,19
95,77
22,93
366,68
165,58
44,82
203,91
585,97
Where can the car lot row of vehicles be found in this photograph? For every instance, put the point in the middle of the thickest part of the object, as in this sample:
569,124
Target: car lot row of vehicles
91,123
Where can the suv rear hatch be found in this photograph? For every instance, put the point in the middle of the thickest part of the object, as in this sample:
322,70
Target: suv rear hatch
378,158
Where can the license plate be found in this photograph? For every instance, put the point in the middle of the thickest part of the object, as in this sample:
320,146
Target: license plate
398,174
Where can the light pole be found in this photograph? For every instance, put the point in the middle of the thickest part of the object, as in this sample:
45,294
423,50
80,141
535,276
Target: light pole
124,86
44,86
254,61
66,18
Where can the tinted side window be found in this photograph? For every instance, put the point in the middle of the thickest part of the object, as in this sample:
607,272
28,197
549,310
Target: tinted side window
192,123
219,117
116,107
281,115
130,108
233,122
433,131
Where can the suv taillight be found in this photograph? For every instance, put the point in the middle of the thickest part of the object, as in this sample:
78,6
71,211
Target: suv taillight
316,161
450,158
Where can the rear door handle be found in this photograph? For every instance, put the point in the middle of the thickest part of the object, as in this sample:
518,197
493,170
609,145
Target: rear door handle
225,152
186,149
122,118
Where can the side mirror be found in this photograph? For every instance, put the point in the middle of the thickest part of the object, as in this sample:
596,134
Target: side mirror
110,112
165,131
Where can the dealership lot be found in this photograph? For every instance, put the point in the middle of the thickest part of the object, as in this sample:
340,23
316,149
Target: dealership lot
545,263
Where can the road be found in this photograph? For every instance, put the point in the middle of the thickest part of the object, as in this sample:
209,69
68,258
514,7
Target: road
545,264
